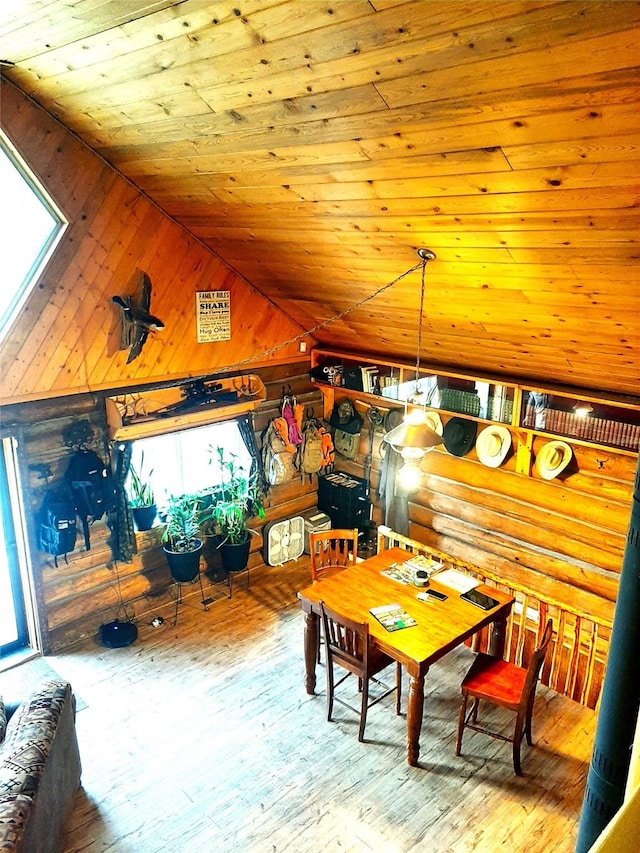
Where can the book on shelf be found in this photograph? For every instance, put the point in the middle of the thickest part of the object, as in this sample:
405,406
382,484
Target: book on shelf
369,379
393,617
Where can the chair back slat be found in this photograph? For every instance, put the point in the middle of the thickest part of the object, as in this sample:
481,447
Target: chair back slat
332,549
537,659
347,641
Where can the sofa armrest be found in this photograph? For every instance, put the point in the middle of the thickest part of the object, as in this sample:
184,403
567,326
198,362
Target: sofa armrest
40,759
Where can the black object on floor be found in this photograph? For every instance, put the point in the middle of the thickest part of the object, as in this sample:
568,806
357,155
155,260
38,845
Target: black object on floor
116,634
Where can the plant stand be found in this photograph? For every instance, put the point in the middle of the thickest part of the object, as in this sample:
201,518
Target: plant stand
185,568
235,559
204,601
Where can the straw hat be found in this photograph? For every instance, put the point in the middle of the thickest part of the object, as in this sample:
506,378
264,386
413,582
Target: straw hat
458,435
553,458
492,445
433,419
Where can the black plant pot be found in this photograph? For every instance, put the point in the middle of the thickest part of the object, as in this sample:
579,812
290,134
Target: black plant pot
235,557
144,516
184,565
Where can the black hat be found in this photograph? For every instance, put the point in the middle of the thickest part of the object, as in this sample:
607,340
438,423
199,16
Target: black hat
345,417
459,435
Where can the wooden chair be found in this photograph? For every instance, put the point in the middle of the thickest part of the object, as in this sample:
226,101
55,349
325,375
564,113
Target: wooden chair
347,644
331,551
507,685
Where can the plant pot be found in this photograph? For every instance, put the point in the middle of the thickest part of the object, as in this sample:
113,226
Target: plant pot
144,516
184,565
235,557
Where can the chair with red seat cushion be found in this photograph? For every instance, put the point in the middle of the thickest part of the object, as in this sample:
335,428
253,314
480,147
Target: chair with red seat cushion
347,644
505,684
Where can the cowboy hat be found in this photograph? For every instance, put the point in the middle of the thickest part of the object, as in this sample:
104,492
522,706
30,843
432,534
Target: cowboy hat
553,458
492,445
433,419
458,435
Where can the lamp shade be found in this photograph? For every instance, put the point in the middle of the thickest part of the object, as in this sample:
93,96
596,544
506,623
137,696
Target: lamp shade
413,433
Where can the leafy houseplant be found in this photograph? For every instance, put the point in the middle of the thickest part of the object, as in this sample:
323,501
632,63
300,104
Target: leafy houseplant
141,497
237,499
182,537
182,524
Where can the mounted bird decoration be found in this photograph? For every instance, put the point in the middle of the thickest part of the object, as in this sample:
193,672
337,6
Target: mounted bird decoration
135,320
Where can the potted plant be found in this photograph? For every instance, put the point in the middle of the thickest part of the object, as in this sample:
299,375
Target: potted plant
237,499
141,497
182,537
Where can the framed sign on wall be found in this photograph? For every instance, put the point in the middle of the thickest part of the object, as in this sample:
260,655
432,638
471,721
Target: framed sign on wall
213,315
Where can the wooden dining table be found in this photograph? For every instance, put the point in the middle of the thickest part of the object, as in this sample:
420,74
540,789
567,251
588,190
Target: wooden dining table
440,625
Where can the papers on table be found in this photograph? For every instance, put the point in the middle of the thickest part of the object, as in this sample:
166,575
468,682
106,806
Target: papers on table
393,617
453,579
427,564
405,572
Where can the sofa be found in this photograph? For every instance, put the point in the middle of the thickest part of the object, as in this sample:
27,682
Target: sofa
39,768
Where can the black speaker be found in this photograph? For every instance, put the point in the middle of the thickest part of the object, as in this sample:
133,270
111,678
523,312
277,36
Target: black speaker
116,634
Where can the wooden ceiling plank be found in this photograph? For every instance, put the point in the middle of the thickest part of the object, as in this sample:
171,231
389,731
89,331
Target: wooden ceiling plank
599,221
49,25
436,129
529,68
555,237
616,198
393,57
168,121
196,47
603,149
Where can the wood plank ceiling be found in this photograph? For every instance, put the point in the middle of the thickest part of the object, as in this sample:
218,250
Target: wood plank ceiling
316,145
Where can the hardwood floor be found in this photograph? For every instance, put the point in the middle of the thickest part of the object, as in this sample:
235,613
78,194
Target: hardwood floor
201,738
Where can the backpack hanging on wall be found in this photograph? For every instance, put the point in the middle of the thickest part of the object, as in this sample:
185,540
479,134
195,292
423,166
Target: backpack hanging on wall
315,454
347,424
91,484
278,456
56,524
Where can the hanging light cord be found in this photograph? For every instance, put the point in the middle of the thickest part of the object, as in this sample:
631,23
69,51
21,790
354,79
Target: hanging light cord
339,316
419,350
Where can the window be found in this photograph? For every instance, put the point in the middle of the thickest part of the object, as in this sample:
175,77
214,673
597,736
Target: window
31,229
186,462
14,624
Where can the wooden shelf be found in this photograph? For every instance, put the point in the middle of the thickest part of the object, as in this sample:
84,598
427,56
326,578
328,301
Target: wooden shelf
614,422
395,383
139,415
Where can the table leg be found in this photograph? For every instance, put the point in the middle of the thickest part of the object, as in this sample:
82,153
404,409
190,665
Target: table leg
497,638
310,650
414,717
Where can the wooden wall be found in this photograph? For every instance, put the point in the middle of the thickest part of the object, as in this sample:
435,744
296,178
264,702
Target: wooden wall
75,597
65,340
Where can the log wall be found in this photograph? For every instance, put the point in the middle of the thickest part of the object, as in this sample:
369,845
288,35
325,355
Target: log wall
75,597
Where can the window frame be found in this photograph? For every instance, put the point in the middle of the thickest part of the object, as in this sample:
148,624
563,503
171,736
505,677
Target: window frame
48,247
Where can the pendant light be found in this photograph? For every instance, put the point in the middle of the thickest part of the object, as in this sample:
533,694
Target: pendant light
414,436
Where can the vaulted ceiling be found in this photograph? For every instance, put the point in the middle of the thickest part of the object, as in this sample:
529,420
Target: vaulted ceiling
315,146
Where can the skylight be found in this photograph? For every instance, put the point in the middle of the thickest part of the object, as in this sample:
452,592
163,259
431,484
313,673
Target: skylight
30,229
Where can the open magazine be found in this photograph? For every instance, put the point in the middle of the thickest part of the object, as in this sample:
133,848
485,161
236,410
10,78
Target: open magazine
393,617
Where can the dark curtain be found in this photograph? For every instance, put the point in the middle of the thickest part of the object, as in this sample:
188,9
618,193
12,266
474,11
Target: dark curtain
396,503
123,535
247,431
